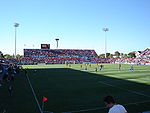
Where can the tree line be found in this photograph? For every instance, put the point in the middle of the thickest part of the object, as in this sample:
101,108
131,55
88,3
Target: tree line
9,56
117,54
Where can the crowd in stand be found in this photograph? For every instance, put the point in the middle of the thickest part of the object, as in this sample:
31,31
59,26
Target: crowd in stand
60,56
143,58
143,61
59,53
145,53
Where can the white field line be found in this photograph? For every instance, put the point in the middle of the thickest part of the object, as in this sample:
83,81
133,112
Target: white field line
34,94
135,92
99,108
47,112
83,110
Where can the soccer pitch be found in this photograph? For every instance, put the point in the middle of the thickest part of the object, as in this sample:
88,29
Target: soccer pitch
72,89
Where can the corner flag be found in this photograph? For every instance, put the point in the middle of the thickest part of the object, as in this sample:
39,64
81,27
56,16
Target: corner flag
45,99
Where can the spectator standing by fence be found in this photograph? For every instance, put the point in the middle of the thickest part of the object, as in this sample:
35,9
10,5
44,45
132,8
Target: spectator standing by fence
10,90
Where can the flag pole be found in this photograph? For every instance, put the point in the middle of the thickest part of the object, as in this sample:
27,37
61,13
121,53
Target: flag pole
44,99
42,106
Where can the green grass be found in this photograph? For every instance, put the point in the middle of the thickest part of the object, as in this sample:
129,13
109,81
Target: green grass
71,89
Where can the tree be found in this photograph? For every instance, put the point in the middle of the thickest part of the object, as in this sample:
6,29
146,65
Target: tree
12,56
132,55
117,53
19,56
121,54
125,56
1,55
107,55
111,56
8,56
101,56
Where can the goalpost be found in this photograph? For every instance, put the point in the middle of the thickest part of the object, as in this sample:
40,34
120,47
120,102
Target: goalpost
70,62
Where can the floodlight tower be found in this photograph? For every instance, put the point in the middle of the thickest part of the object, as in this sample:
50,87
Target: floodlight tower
105,29
15,25
57,39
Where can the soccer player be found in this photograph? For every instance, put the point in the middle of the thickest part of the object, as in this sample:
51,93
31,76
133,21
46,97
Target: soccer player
86,67
69,65
81,67
90,65
131,68
114,107
10,90
119,67
101,66
96,69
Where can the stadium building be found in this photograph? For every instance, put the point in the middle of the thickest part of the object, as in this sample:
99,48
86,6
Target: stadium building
45,55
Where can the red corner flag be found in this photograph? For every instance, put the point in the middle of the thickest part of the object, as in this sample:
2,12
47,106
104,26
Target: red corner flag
45,99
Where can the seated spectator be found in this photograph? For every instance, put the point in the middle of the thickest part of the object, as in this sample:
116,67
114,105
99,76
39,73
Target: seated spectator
114,107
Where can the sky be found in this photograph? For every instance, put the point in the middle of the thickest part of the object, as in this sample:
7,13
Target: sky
77,23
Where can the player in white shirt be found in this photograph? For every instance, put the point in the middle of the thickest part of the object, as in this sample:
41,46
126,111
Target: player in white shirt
114,107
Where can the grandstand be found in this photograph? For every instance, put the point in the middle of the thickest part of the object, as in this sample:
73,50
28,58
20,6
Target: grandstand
145,53
58,56
142,58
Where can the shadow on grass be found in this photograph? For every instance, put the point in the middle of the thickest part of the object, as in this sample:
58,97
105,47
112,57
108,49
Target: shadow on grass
80,91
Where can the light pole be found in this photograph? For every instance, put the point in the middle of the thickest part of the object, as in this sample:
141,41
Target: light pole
15,25
57,42
105,29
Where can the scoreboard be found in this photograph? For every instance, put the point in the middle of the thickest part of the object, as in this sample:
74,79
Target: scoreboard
45,46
